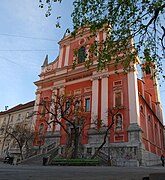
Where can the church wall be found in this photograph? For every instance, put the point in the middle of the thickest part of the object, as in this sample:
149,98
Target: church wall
137,131
118,82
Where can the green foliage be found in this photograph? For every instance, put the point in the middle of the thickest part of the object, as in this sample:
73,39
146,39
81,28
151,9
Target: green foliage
21,135
75,162
141,20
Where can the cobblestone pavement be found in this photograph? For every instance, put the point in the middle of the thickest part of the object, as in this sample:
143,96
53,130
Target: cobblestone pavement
31,172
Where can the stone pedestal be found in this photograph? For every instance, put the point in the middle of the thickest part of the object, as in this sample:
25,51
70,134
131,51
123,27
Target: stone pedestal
96,138
135,138
52,138
134,133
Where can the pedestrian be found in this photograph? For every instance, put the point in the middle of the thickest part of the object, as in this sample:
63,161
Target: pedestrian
162,159
45,159
11,160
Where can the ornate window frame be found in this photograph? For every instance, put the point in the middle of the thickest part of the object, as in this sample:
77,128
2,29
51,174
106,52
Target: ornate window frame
114,98
89,108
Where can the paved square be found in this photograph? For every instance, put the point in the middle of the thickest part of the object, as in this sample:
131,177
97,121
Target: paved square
31,172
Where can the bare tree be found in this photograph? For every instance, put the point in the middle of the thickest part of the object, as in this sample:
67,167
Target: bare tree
20,135
112,114
70,114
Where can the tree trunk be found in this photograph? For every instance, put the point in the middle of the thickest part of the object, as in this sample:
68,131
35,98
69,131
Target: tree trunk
76,143
21,151
104,140
101,146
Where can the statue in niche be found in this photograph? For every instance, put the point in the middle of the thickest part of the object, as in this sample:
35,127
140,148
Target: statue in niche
118,122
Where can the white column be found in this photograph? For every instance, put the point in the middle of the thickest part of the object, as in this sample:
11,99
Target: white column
36,107
60,57
133,98
67,55
51,117
95,89
104,99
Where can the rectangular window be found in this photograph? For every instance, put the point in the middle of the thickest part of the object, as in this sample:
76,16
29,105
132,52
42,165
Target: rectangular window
11,120
87,104
118,98
19,117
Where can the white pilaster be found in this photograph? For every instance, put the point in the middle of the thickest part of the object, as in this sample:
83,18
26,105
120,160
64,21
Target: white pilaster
95,89
133,98
158,104
104,100
51,117
60,57
67,55
36,107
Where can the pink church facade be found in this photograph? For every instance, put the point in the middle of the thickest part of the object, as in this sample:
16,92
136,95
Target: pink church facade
136,137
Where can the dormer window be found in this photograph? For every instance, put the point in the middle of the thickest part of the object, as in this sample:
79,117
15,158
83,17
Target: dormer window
81,55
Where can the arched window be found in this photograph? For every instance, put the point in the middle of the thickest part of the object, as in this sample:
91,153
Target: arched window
81,55
118,123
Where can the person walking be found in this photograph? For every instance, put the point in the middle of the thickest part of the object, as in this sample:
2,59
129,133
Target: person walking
162,159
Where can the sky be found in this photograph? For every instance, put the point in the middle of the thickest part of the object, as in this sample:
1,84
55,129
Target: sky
26,37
